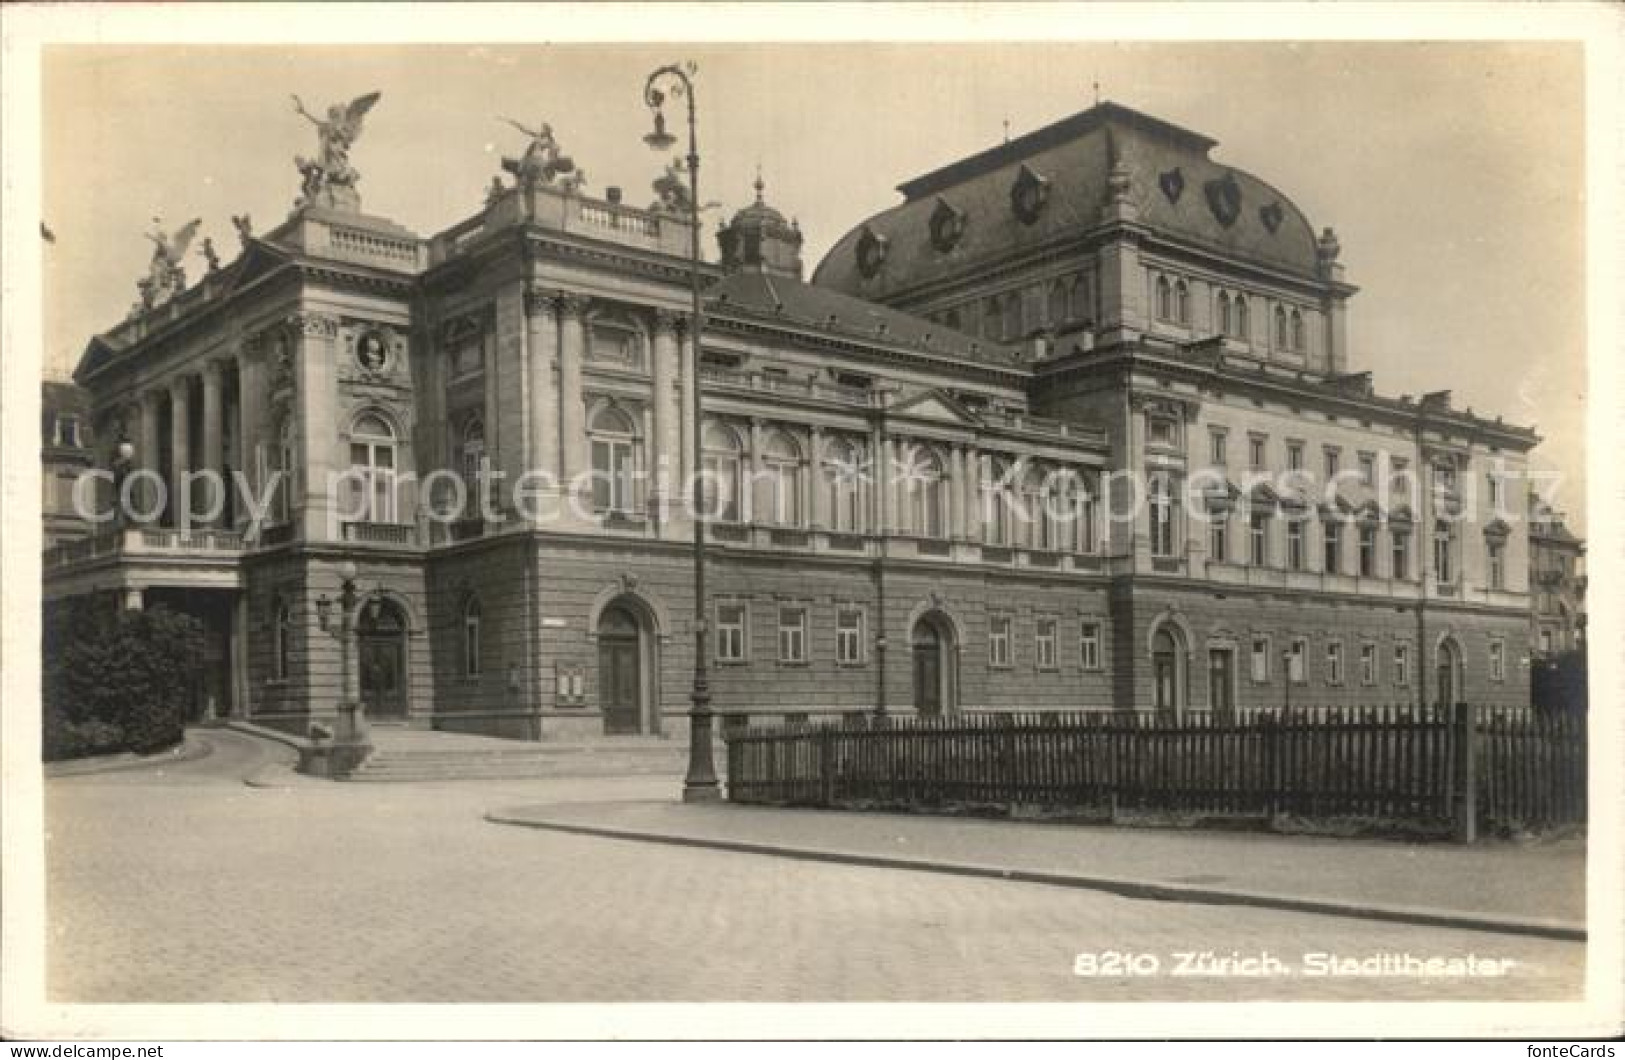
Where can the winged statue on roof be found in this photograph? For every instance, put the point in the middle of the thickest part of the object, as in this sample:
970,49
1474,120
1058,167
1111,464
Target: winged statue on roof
335,135
165,278
542,161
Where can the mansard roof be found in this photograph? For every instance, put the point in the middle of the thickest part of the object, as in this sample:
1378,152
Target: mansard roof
1177,189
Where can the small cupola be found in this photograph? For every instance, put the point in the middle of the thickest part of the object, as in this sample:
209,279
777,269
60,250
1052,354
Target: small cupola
760,239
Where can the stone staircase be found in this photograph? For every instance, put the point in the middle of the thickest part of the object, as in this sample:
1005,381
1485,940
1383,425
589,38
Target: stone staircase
419,755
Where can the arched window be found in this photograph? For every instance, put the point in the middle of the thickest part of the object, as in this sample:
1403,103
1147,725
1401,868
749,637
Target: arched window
1239,316
283,471
1165,299
1297,331
781,459
844,475
471,637
613,438
281,640
1444,552
472,452
999,485
1182,303
372,469
1162,517
1057,303
1061,510
926,494
721,459
1281,335
1039,531
1226,322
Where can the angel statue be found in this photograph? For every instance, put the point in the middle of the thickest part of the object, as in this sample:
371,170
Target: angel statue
542,160
334,137
165,277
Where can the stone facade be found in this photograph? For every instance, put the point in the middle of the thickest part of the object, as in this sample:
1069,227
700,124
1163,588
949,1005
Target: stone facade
494,425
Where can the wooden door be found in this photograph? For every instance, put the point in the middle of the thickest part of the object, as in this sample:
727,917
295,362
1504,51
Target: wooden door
620,673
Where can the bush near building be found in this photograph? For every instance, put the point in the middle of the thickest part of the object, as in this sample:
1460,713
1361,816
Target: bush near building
116,680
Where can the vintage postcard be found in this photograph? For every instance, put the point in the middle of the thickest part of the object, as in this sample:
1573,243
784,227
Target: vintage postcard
688,521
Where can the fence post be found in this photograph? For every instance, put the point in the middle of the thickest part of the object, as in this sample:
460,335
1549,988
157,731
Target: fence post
826,767
1466,773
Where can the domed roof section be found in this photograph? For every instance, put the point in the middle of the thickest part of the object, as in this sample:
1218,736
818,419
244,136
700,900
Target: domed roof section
1055,182
759,237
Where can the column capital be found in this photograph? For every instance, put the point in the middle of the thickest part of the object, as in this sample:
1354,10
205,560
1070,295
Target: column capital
315,325
670,321
540,302
178,386
214,368
571,305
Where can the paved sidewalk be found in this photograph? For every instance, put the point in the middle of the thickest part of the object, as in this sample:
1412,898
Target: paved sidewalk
1536,889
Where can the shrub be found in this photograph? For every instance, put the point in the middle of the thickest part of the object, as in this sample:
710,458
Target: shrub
116,680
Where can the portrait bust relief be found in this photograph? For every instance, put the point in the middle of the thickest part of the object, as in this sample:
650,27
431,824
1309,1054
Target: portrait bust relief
371,351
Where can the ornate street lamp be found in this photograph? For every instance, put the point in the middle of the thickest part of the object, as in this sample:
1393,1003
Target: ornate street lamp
700,784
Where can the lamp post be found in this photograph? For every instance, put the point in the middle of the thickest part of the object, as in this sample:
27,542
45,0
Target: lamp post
1286,681
700,783
348,708
123,458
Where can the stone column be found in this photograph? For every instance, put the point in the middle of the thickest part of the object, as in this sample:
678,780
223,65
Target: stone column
973,495
757,485
148,448
690,430
180,448
252,402
956,494
542,340
316,424
214,458
886,477
572,401
666,446
818,508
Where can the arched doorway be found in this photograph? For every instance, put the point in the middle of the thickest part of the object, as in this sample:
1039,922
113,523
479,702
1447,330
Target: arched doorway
1167,670
381,655
1448,678
932,641
625,671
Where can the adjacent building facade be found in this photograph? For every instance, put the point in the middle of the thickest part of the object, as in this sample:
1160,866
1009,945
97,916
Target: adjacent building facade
1073,427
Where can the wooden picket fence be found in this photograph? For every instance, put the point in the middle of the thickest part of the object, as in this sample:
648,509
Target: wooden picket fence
1444,770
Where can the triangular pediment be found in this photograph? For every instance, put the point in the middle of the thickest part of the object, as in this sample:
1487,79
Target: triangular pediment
936,406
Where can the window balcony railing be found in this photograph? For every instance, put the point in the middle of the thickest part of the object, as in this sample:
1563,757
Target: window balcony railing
363,532
145,541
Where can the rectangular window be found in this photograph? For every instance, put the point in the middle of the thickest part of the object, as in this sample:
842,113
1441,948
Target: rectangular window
1216,441
1334,458
1401,549
1494,481
1258,539
1089,646
1255,450
1399,478
1498,564
1368,469
1443,553
793,634
730,632
1498,660
1294,456
849,636
1296,657
1162,431
1044,643
1294,545
1368,664
1368,551
1332,539
1218,539
1162,518
998,641
1334,663
1402,664
1261,660
67,431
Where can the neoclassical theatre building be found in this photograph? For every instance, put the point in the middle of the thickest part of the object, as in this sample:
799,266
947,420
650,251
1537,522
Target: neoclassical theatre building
1076,425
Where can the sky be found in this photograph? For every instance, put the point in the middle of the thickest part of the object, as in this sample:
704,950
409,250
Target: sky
1453,173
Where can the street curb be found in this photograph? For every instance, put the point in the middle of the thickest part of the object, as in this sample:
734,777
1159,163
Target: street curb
188,750
1127,888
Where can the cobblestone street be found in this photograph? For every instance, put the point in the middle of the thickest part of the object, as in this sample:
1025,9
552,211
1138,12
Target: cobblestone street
185,885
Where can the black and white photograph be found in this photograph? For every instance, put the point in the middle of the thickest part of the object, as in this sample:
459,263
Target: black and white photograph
679,528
